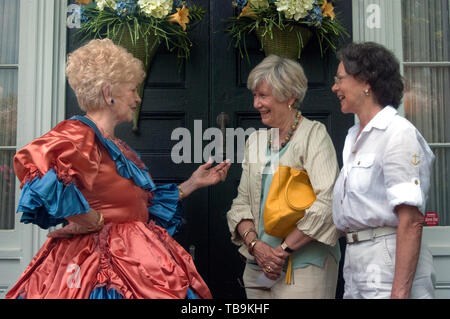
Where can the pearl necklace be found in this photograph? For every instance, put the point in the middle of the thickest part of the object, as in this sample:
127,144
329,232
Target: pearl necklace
290,133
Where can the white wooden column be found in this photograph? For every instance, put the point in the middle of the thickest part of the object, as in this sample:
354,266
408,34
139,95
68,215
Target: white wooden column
41,104
41,100
379,21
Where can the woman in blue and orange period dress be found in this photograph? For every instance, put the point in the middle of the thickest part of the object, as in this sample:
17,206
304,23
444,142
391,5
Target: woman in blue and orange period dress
114,245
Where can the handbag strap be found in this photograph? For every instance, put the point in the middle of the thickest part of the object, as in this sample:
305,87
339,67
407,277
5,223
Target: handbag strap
295,173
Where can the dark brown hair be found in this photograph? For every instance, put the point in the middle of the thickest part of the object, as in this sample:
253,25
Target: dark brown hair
376,65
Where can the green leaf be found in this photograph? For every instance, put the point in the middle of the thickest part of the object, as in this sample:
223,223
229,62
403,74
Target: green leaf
107,23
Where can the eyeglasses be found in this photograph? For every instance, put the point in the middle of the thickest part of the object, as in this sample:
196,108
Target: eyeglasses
339,78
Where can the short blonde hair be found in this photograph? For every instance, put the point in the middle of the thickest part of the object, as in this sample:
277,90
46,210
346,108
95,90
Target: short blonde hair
285,77
100,63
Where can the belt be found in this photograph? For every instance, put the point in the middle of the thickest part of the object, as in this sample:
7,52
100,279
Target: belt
369,234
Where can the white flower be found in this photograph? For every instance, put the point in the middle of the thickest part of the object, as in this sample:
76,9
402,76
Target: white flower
294,9
259,3
156,8
101,4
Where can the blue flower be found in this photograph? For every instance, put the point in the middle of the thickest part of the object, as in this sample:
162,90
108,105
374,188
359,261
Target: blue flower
83,17
125,8
178,3
315,16
241,3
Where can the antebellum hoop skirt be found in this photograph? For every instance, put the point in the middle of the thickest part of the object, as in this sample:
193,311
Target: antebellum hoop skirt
74,168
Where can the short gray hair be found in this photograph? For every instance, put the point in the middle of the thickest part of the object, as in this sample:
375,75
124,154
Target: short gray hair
285,77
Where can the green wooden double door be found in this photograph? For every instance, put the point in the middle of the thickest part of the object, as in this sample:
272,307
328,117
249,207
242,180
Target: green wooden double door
211,82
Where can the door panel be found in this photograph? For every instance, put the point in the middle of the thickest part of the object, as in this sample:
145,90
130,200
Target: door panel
214,81
230,95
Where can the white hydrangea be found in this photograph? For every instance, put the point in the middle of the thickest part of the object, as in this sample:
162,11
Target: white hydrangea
101,4
294,9
259,3
156,8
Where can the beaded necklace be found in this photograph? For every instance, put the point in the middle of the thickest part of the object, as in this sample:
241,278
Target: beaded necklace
290,133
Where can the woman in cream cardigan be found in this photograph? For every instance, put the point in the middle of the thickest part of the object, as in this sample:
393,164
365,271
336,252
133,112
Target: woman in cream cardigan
279,86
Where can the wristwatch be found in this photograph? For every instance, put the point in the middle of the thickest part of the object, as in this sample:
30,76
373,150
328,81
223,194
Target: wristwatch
285,247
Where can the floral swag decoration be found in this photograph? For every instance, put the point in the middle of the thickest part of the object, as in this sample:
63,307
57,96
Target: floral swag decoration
270,19
149,22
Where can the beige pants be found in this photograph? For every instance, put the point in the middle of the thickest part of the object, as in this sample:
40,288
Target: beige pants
311,282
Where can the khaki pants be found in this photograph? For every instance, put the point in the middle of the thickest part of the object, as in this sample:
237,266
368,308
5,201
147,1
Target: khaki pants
311,282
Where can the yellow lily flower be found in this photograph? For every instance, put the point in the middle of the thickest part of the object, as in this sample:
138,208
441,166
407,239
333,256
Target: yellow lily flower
181,17
247,12
84,1
328,10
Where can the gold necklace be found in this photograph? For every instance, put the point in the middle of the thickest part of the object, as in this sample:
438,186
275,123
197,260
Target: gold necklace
290,133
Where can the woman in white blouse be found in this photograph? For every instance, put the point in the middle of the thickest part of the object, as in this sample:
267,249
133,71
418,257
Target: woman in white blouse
380,195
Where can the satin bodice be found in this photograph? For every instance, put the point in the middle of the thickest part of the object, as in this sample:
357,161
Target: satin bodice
117,198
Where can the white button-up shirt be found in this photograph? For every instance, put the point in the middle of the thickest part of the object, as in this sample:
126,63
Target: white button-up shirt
387,165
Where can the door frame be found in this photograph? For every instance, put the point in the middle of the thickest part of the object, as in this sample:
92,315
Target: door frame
41,96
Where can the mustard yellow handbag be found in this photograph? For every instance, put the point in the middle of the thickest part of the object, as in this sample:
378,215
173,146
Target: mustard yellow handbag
289,195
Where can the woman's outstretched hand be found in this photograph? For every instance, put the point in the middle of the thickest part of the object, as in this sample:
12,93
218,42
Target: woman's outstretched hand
206,175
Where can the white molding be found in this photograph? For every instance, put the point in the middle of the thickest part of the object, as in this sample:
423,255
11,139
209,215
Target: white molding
60,52
11,254
41,91
436,64
41,104
389,30
3,291
9,66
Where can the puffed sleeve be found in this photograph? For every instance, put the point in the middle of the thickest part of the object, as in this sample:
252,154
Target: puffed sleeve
241,206
407,164
165,207
53,170
321,165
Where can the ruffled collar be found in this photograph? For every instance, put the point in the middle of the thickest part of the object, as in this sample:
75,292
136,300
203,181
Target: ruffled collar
125,167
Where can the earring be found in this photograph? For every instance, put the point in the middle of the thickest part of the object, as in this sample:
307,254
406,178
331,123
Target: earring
112,101
366,92
290,107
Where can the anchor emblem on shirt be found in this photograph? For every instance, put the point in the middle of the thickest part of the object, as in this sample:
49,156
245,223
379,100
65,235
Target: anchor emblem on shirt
415,161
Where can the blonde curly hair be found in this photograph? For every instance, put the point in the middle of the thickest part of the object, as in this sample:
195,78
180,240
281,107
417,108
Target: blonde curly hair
100,63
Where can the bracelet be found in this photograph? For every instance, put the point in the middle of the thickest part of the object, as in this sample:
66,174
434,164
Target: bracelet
251,246
248,231
180,192
99,224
